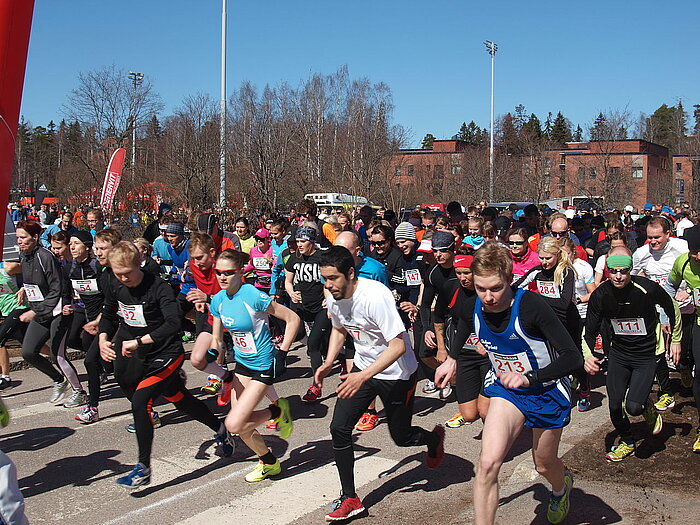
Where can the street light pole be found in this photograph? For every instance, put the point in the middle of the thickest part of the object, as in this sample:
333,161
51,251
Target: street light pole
137,79
491,48
222,129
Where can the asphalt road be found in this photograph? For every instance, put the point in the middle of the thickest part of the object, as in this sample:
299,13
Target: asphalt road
67,471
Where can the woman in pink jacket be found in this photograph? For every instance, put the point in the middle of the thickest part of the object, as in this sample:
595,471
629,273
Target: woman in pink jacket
524,259
261,260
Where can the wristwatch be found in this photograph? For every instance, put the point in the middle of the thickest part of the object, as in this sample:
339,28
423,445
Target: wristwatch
139,341
531,376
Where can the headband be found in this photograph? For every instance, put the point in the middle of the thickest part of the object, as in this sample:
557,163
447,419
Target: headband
621,260
463,261
306,232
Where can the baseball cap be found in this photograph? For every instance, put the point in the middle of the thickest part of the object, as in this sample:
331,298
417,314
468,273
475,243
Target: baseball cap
443,239
206,222
262,233
648,206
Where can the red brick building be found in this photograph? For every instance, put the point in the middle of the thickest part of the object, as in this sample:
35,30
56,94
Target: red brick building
685,170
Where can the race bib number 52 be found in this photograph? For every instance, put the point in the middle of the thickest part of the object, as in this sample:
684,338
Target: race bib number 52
518,363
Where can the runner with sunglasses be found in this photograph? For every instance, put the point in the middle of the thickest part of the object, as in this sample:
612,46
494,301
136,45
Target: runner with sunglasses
244,311
629,304
524,259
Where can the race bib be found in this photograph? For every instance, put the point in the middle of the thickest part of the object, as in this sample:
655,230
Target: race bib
659,279
132,314
548,289
518,363
5,288
33,292
261,263
696,297
631,326
359,336
472,340
85,286
413,277
244,342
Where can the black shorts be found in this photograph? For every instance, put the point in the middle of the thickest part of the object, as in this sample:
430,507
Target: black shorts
349,347
266,377
471,371
12,327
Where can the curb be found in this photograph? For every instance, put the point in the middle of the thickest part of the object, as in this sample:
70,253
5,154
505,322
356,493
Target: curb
17,363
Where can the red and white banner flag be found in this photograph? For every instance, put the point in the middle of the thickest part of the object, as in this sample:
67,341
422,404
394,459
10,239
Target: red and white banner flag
112,178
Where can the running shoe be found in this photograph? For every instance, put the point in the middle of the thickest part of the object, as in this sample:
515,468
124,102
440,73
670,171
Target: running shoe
187,337
433,461
367,422
559,505
58,392
584,401
457,421
271,424
4,414
5,382
687,378
225,440
155,419
225,393
312,394
285,423
345,508
445,392
429,387
78,399
696,445
665,401
140,475
653,419
262,471
619,452
88,415
213,385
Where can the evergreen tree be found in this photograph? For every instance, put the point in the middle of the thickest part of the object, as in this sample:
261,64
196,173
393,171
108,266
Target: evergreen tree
600,129
520,117
548,126
508,136
428,141
472,134
578,134
561,130
154,131
696,116
533,126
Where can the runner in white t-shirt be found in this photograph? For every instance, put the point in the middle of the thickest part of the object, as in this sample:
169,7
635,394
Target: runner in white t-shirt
384,366
654,261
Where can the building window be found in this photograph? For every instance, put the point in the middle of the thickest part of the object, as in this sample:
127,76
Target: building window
397,171
438,171
456,170
615,171
547,162
637,173
679,167
410,170
592,173
581,173
562,185
562,160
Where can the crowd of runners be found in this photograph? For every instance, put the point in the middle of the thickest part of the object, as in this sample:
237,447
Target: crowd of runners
509,312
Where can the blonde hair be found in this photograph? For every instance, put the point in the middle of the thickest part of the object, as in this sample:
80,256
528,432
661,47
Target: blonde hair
125,253
493,258
554,246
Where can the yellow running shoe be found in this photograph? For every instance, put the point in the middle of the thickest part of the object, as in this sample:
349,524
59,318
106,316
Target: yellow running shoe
285,423
665,401
4,414
653,419
696,445
262,471
559,506
456,421
619,452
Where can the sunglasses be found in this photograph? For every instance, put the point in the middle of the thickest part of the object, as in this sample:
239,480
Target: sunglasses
442,250
559,234
623,271
516,243
227,273
377,243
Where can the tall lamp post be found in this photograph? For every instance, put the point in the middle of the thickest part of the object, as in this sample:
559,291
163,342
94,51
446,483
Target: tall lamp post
222,129
137,79
491,48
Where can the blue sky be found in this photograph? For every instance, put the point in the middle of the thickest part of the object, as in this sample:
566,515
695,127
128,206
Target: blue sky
582,59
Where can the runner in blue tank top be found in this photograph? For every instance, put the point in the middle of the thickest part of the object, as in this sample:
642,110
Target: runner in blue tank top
244,311
530,352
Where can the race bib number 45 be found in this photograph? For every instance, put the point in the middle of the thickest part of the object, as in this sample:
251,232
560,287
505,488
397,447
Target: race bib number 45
132,314
632,326
518,363
548,289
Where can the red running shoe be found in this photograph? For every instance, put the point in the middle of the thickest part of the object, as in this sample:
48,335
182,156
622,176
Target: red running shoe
434,461
345,508
312,394
367,422
224,397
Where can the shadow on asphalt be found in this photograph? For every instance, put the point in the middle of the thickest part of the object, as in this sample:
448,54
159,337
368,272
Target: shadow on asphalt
453,470
648,445
34,438
76,471
585,508
315,454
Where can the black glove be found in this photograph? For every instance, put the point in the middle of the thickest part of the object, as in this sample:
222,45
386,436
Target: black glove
280,363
